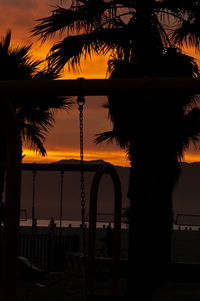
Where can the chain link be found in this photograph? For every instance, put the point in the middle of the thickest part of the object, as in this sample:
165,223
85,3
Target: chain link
61,197
33,202
81,102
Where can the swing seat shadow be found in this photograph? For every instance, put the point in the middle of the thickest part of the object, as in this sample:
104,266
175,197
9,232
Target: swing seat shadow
28,271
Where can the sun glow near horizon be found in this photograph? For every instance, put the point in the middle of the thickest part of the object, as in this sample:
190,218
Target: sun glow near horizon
91,68
114,157
118,158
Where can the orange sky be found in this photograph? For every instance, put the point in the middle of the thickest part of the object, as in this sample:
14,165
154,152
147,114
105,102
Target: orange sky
63,140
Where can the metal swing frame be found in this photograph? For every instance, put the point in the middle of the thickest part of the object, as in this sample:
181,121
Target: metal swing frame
100,170
104,168
144,86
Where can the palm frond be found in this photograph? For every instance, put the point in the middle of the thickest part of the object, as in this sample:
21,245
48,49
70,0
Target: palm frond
16,62
34,135
117,39
177,64
188,33
42,118
175,6
191,128
106,136
50,102
188,30
70,50
110,136
5,43
35,113
95,12
47,73
86,15
60,19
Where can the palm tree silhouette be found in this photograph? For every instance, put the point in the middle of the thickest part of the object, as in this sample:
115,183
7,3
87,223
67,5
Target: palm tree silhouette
155,132
155,129
115,27
35,114
126,29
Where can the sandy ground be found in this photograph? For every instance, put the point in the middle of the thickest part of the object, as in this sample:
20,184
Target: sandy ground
70,286
179,292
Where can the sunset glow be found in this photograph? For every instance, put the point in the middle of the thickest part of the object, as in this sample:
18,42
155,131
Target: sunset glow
116,158
62,141
191,157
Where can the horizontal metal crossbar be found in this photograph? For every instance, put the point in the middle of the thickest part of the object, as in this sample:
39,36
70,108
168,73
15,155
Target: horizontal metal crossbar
61,167
92,87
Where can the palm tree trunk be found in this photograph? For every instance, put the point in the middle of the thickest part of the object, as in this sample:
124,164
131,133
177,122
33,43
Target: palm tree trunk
139,255
162,226
2,170
2,182
167,173
150,194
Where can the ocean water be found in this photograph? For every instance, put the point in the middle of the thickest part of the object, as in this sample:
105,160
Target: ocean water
76,224
66,223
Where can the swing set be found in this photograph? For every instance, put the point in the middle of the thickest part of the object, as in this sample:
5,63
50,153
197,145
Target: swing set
90,249
100,169
13,165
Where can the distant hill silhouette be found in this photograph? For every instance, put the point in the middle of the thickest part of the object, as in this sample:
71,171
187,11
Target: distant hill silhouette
73,161
186,195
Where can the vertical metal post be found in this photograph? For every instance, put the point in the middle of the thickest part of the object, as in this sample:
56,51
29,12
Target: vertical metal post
33,203
12,205
61,197
106,168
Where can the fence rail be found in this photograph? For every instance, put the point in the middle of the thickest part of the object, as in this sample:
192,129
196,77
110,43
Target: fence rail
187,220
47,251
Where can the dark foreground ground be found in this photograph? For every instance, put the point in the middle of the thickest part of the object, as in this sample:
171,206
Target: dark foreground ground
70,286
179,292
60,287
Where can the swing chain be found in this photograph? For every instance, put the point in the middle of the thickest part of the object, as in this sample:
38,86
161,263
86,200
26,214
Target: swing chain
61,197
33,202
81,102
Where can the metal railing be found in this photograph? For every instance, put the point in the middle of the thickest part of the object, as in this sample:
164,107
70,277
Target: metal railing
187,220
46,251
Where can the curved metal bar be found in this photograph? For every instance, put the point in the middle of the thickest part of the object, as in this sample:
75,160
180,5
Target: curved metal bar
12,206
108,169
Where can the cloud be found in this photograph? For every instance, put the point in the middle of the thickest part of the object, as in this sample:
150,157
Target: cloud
66,130
20,15
41,5
23,4
63,140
